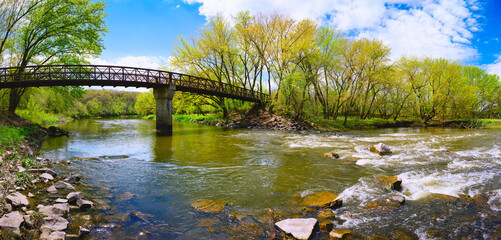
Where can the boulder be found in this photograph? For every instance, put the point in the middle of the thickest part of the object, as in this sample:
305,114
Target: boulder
340,233
54,223
394,182
381,149
209,206
74,196
84,204
59,209
331,155
47,176
17,199
322,200
12,222
300,228
28,223
61,185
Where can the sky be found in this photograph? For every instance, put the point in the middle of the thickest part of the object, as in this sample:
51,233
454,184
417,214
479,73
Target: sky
142,33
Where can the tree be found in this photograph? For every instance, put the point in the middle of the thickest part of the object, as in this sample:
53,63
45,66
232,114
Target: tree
57,31
145,104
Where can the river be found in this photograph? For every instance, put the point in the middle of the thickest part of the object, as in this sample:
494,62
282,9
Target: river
143,183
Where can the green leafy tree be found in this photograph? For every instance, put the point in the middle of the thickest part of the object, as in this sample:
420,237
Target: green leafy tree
57,31
145,104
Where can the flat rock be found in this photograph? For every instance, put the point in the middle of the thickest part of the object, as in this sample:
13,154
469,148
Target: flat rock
72,178
340,233
59,209
381,149
208,206
61,200
300,228
47,176
62,185
322,200
12,222
54,223
389,203
17,199
74,196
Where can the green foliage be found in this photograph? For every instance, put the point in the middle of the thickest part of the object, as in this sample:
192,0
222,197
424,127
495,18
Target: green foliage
12,135
198,117
145,104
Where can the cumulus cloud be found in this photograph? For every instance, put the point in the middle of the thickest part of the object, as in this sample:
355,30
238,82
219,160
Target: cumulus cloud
494,68
436,28
151,62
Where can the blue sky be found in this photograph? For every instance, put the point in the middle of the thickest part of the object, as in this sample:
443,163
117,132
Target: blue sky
143,32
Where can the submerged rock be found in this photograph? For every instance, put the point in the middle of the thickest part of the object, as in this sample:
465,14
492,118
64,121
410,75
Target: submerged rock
12,222
124,196
389,203
400,235
326,226
381,149
326,213
331,155
340,233
322,200
300,228
72,178
352,159
17,199
209,206
377,237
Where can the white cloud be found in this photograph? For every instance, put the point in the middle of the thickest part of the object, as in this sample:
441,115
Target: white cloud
150,62
494,68
436,28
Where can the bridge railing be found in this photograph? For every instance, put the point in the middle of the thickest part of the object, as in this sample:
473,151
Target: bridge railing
119,76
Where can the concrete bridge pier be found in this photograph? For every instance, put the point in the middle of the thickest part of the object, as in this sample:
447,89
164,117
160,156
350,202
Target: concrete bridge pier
163,97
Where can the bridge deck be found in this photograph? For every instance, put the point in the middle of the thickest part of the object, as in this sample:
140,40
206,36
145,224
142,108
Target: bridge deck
99,75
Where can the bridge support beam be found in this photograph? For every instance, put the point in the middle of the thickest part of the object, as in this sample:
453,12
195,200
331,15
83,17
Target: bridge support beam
163,97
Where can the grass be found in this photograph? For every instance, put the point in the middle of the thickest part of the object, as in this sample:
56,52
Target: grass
12,135
356,123
151,116
198,117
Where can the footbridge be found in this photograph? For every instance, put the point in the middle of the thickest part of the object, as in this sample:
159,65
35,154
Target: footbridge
164,83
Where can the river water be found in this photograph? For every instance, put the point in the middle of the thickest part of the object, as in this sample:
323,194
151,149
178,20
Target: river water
143,183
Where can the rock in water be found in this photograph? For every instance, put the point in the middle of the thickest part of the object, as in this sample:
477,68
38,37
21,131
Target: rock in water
74,196
61,185
84,204
331,155
394,182
300,228
209,206
59,209
340,233
322,200
17,199
381,149
12,222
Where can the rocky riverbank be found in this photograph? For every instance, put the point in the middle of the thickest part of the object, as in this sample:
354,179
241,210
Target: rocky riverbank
34,201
